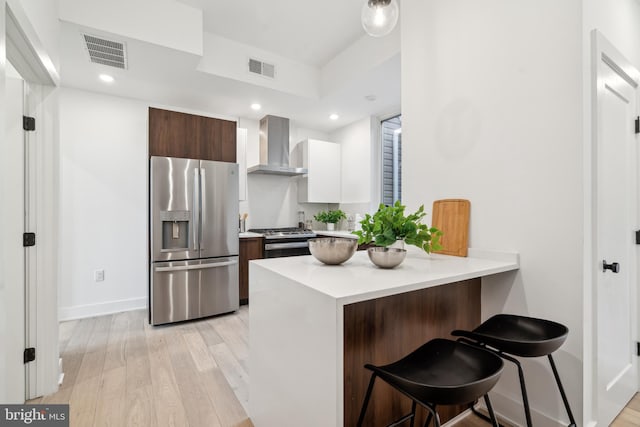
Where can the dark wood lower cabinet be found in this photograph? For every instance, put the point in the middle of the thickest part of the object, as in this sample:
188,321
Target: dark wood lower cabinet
383,330
250,248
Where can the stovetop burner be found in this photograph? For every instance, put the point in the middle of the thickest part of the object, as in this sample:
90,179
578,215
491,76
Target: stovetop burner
284,233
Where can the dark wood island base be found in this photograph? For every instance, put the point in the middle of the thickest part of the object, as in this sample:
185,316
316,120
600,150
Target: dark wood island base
383,330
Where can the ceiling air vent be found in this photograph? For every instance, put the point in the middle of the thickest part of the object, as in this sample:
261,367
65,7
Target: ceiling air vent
106,52
262,68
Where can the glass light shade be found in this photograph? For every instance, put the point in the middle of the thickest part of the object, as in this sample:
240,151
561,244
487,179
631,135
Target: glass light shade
379,17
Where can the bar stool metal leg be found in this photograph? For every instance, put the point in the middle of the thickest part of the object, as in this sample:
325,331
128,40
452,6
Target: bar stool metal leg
523,387
426,423
562,393
492,414
433,414
413,413
366,400
401,421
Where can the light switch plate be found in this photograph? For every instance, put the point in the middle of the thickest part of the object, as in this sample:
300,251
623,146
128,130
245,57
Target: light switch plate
98,275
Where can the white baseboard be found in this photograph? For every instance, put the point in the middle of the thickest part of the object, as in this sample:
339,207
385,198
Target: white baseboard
100,309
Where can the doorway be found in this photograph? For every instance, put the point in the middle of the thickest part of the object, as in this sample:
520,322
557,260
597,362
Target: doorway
614,257
29,179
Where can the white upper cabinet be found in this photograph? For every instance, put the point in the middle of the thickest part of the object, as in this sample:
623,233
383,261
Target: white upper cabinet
241,158
322,184
356,142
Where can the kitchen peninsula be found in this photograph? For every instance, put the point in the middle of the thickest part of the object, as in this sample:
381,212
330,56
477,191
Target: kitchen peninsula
314,326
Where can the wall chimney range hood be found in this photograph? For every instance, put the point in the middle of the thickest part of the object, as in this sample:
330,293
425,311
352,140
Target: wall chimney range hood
274,148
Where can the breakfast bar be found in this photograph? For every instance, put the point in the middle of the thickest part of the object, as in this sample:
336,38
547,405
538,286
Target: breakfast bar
314,326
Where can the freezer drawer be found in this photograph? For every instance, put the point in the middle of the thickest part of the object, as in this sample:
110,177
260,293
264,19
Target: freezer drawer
183,290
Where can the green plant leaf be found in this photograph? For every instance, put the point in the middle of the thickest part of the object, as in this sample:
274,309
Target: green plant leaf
390,224
330,216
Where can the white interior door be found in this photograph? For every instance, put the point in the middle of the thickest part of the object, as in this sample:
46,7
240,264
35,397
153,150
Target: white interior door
616,220
12,168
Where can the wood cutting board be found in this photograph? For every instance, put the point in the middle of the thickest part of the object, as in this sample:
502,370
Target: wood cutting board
451,216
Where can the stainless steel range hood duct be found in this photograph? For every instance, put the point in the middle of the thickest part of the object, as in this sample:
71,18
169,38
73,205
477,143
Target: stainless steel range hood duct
274,148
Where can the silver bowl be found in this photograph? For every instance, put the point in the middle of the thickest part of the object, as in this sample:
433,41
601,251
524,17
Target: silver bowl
333,250
386,257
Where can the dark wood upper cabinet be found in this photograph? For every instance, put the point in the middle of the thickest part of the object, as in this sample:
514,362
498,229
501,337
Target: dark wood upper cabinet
174,134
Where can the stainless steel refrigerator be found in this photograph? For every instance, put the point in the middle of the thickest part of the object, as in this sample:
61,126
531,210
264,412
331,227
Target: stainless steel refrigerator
193,239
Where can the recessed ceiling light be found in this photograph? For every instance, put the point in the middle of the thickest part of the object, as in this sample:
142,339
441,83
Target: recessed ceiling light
334,116
256,107
106,78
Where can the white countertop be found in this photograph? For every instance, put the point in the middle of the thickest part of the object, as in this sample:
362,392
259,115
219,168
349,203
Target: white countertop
248,234
336,233
359,280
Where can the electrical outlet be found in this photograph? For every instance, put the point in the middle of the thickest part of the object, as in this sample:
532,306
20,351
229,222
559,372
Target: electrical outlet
98,275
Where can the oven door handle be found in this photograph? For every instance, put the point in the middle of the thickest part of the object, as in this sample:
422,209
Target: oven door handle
288,245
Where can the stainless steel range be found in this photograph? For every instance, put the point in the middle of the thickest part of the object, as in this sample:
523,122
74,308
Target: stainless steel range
288,241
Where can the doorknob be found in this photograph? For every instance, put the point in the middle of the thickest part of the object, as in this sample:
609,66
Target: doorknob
614,266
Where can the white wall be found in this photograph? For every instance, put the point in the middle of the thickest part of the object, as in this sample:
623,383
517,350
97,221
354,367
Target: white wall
618,21
356,60
290,77
103,205
272,201
43,15
491,104
174,24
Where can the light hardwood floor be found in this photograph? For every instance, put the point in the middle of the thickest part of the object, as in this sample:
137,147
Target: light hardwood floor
120,371
630,416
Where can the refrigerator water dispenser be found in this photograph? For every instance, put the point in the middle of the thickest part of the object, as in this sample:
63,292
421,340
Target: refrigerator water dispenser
175,230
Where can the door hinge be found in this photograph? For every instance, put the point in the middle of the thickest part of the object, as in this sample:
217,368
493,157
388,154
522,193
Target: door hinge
29,354
28,123
28,239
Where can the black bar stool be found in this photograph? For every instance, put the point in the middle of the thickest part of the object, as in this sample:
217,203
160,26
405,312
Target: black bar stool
507,334
440,372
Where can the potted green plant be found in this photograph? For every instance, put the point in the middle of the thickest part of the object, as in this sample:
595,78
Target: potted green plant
389,226
330,217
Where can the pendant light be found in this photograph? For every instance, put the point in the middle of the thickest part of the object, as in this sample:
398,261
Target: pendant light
379,17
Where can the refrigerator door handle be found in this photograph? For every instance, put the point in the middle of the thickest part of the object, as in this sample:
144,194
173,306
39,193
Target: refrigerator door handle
195,267
203,204
195,211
